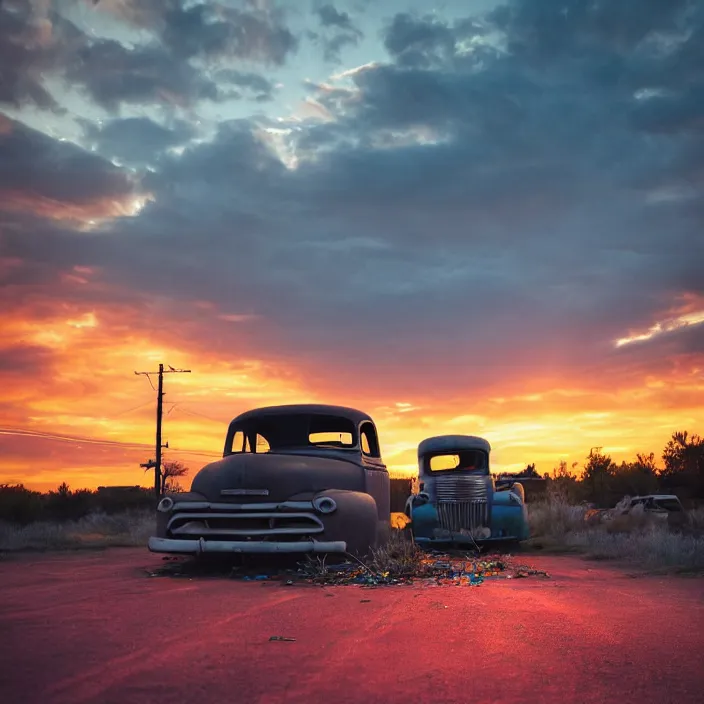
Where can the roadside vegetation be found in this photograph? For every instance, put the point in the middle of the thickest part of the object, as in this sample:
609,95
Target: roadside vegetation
96,530
637,538
561,512
67,519
564,517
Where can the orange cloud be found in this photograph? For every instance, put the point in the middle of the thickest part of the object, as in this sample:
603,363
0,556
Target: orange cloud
687,313
73,410
86,212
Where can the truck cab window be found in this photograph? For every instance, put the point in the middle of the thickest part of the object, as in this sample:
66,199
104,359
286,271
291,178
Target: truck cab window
369,440
238,442
262,445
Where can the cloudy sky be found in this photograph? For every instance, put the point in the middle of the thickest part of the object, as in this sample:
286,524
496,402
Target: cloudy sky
463,216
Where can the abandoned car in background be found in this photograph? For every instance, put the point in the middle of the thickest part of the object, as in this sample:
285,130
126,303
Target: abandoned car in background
292,479
457,500
660,507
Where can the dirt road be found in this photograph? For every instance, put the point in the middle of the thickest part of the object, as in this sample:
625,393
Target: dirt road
94,627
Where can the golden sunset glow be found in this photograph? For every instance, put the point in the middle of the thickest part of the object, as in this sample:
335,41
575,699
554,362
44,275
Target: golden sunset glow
83,417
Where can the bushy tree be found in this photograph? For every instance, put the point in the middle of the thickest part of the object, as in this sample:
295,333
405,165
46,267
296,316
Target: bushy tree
171,472
636,478
19,504
684,463
564,484
597,478
529,472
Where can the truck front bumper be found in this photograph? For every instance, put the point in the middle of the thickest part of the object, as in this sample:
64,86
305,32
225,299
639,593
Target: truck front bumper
200,546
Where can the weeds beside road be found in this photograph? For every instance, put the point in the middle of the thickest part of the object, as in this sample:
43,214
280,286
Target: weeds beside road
96,530
555,527
640,540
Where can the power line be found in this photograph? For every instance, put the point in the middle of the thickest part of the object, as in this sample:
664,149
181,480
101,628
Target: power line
134,408
196,413
156,464
82,440
74,439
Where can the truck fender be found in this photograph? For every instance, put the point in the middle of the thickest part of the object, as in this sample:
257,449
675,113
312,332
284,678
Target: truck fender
355,520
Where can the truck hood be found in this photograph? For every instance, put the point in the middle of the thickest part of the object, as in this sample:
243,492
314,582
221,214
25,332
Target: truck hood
284,476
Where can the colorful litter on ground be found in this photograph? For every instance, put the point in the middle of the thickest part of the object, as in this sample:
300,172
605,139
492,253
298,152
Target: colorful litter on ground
430,569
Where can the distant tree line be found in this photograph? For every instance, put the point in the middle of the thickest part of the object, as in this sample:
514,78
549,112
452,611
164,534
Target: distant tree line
23,506
604,482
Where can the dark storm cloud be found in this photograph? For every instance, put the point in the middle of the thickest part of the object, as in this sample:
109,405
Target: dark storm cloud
252,84
337,31
416,41
567,28
681,111
113,74
34,166
502,208
137,140
37,42
30,45
212,29
330,17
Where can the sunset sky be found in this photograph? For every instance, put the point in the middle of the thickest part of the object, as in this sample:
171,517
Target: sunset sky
460,217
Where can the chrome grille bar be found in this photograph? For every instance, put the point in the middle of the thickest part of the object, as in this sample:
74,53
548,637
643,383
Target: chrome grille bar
462,502
461,488
456,516
232,523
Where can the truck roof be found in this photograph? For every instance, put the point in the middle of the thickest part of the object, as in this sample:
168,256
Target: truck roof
305,409
450,443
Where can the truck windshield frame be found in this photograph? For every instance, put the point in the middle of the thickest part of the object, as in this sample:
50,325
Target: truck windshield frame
295,431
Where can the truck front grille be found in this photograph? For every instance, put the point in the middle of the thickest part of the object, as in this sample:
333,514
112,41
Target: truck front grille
462,502
239,524
458,516
461,488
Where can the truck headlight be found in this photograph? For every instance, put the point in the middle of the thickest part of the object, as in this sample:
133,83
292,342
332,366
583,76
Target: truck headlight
324,504
165,505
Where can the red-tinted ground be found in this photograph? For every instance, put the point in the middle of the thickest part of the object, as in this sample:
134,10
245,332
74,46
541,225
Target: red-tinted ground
95,628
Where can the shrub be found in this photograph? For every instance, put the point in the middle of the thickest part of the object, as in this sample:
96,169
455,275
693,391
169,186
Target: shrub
130,528
635,537
20,505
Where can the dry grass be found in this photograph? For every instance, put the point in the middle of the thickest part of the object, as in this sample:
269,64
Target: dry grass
696,519
96,530
555,518
654,547
399,557
638,539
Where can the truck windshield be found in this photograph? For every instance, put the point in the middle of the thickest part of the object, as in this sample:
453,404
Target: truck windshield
463,460
298,431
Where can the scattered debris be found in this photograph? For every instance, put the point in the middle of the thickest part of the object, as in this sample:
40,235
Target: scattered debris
431,569
402,564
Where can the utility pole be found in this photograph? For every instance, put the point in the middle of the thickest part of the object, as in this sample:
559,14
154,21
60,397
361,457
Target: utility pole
156,464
